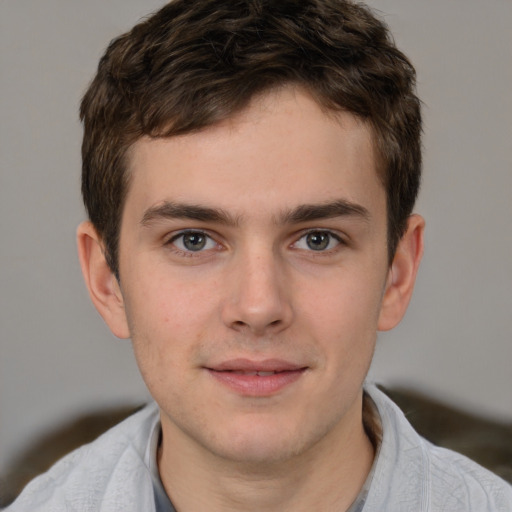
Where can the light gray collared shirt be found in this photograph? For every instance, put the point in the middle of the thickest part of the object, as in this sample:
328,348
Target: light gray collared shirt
114,473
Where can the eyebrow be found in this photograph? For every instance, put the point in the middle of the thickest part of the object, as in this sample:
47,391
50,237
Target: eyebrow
302,213
172,210
339,208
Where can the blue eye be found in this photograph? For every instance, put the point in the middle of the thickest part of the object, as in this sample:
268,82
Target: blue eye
193,241
317,241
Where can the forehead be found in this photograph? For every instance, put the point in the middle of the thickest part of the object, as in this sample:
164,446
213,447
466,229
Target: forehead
282,151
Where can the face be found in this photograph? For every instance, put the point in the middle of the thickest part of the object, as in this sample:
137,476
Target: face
253,264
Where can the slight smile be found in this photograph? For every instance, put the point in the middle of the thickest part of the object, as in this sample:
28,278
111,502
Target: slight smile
256,378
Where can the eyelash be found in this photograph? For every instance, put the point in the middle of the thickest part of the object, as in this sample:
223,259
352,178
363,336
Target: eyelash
332,236
189,253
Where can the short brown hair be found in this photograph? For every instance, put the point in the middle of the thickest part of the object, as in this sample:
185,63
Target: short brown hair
195,63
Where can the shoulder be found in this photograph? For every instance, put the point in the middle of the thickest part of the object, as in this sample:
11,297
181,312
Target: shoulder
413,474
97,473
456,480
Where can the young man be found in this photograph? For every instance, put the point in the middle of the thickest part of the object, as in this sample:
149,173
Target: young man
249,170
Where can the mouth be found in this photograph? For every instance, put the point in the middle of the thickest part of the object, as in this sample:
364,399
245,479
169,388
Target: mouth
257,378
259,373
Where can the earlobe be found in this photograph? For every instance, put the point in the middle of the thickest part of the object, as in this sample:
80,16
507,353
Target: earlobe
402,274
101,283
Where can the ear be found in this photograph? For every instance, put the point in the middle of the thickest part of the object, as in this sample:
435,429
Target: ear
402,274
102,284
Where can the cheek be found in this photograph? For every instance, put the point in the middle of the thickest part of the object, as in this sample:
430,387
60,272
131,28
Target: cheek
170,301
344,313
169,319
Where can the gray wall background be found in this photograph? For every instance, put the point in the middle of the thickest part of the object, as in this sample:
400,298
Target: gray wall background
57,358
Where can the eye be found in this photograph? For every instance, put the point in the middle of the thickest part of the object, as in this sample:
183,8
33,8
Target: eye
193,241
318,241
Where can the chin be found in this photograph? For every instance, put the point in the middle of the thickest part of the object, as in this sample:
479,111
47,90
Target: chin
258,452
259,443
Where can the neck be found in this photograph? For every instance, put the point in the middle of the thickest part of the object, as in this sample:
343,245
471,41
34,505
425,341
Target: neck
327,476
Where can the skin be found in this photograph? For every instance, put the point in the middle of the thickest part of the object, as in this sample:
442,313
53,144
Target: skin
265,272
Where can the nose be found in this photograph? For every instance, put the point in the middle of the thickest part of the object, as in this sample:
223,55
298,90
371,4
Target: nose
258,297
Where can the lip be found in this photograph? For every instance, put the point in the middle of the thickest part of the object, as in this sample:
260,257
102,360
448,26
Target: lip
256,378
